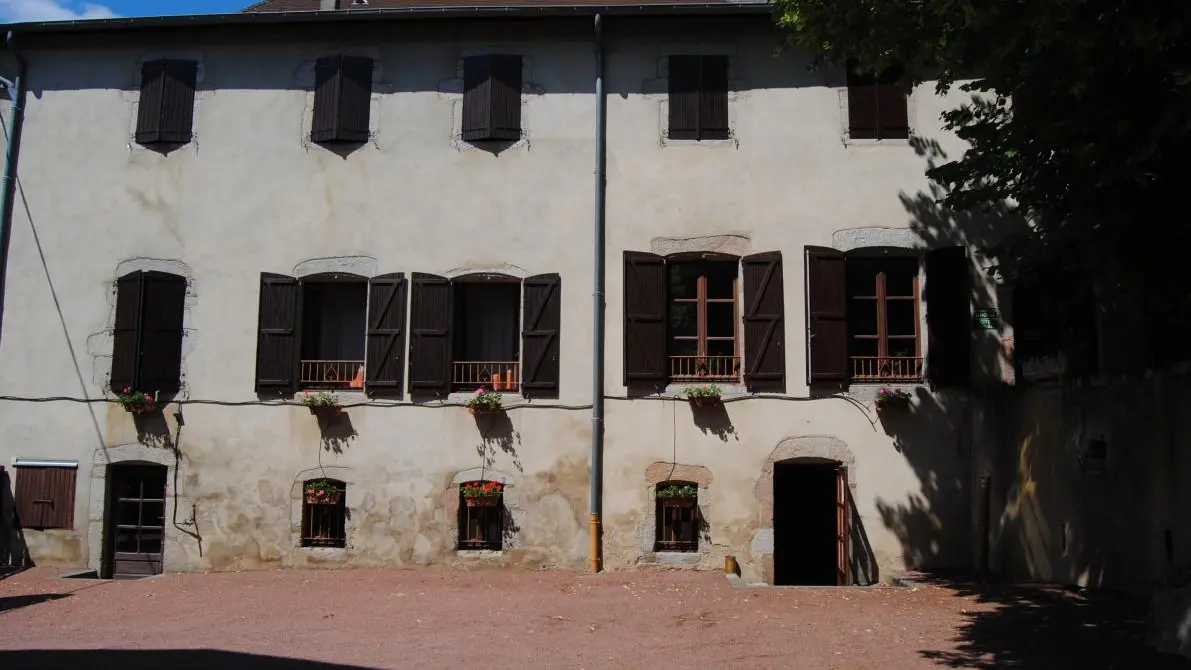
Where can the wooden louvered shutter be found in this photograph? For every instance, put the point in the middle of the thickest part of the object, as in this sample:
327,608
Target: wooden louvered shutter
161,333
342,99
826,315
684,99
863,116
541,322
126,331
948,316
45,497
148,115
506,98
477,98
644,319
893,112
430,333
277,335
713,99
764,327
385,366
177,101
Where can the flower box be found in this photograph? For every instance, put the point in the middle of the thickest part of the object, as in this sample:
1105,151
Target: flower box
482,501
892,399
324,497
322,403
704,396
137,402
678,502
484,402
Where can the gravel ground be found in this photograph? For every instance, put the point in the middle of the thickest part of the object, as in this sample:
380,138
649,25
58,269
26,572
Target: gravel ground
498,618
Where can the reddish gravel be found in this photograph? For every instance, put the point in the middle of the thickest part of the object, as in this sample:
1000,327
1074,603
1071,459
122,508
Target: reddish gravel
496,618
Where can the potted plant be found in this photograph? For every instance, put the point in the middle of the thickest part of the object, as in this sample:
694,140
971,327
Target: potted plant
484,402
704,396
323,492
136,402
322,403
482,494
892,399
678,495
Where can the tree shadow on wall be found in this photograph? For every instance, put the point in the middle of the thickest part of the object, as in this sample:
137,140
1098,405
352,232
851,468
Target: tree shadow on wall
156,659
336,431
497,434
714,420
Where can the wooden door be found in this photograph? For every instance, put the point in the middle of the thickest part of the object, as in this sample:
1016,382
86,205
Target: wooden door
843,523
136,521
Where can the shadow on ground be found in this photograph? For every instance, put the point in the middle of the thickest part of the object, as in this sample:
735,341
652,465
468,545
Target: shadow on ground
152,659
17,602
1042,628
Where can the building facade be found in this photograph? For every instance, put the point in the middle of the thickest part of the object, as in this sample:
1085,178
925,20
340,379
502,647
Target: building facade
238,215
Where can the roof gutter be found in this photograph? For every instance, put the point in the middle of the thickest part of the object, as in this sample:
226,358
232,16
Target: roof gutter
16,89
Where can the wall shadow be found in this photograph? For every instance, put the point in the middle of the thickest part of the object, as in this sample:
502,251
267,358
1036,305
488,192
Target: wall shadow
497,433
152,430
714,420
336,431
155,659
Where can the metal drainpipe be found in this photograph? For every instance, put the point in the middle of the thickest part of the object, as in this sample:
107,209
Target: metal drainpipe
16,90
597,363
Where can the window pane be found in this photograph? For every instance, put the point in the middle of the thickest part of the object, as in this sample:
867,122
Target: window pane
334,321
899,317
720,278
155,485
721,348
862,317
902,348
684,347
863,348
899,277
862,277
721,319
126,540
491,321
150,542
153,514
127,513
683,319
684,280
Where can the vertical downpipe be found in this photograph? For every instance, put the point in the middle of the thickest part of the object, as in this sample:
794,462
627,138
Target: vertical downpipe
597,362
16,90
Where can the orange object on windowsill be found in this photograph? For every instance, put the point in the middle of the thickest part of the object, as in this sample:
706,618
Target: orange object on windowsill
358,381
497,384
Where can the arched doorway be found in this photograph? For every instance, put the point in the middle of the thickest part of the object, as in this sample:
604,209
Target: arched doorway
811,519
134,520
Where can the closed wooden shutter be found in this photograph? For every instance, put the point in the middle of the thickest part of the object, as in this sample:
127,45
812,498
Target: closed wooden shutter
385,366
161,333
826,315
45,497
165,112
644,319
277,334
713,99
342,99
506,98
541,322
148,115
492,98
684,99
893,111
477,98
430,333
863,114
764,327
328,73
125,333
948,316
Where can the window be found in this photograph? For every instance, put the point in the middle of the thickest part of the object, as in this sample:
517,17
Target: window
677,515
342,100
877,105
681,319
165,113
324,513
147,335
698,98
331,331
863,316
492,98
481,515
485,330
45,496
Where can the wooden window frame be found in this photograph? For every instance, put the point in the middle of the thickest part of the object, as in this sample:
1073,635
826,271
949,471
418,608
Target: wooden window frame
881,87
701,302
705,96
491,526
882,299
38,505
333,515
666,513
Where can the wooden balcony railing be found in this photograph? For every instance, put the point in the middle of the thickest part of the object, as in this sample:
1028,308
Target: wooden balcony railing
886,368
704,368
496,375
331,374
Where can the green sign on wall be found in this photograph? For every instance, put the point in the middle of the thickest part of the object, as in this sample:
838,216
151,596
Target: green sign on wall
987,318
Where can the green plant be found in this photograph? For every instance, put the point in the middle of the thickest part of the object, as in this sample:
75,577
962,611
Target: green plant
323,491
137,402
481,489
705,392
320,399
894,397
484,401
684,491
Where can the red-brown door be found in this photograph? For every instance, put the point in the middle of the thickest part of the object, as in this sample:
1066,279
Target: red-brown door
843,522
136,521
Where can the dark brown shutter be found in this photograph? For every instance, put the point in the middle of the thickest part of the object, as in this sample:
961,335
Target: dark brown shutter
826,315
644,319
430,333
477,98
45,497
342,99
948,316
277,334
161,333
125,333
148,115
713,99
893,112
324,124
385,367
764,327
492,98
541,322
506,98
684,101
177,101
862,104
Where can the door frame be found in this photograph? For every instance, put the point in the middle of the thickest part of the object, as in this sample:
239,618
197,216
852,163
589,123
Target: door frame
108,558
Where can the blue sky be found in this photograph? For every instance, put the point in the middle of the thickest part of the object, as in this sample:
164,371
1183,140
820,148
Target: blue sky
65,10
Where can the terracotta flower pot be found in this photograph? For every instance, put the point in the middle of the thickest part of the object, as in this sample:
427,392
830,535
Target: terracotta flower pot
481,501
678,502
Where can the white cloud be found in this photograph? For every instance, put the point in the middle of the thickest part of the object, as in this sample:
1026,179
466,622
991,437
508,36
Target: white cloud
16,11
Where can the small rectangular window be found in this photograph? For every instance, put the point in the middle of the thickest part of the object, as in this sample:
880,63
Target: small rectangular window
342,100
44,497
481,515
165,112
487,335
883,319
324,513
677,516
702,317
334,322
492,98
877,105
698,102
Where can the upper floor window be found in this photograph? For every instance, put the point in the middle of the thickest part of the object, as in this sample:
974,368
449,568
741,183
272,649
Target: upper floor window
877,105
165,112
485,330
147,336
334,323
686,319
864,319
342,100
698,101
492,98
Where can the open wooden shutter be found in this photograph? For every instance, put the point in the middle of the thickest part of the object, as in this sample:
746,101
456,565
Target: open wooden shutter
430,333
477,98
764,327
644,319
684,100
713,98
492,98
44,497
342,99
126,344
843,530
826,315
541,322
948,316
165,112
148,114
385,365
161,333
506,98
277,335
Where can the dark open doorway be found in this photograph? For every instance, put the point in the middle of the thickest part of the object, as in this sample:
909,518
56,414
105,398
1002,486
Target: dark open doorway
134,525
810,523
